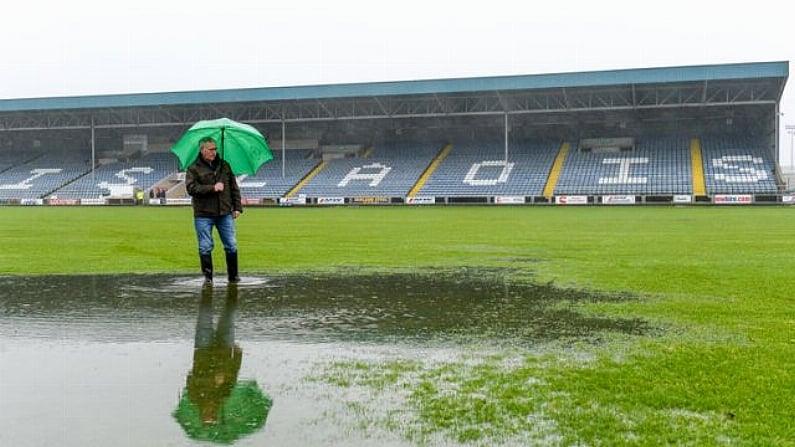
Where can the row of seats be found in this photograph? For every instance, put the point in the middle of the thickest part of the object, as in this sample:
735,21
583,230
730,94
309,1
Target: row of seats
276,178
143,173
390,170
657,165
484,168
39,176
736,165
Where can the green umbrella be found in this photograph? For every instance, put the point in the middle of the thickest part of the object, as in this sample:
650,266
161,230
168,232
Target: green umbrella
242,413
241,145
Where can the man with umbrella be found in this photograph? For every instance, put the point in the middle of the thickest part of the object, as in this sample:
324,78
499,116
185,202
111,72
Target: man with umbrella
216,203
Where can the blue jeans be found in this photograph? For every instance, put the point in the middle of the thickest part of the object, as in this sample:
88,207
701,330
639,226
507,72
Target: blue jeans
223,335
226,229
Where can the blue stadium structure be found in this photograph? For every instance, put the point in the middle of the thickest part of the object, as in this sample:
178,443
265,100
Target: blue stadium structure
693,134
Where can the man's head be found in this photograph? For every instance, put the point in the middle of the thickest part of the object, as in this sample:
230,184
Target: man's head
208,149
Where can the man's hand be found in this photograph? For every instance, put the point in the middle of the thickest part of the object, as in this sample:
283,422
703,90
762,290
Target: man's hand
235,214
219,187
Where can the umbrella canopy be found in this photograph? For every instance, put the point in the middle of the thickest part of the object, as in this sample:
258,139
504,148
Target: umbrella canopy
242,413
241,145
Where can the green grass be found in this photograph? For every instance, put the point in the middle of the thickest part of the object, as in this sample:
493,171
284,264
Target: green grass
719,280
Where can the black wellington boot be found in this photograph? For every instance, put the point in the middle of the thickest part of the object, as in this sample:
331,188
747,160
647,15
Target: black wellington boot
231,267
207,267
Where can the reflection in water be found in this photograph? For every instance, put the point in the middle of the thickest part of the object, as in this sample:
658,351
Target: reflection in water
216,357
214,406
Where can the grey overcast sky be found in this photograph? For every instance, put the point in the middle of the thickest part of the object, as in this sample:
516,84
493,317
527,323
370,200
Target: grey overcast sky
55,48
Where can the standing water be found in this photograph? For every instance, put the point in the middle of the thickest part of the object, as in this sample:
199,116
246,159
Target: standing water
161,360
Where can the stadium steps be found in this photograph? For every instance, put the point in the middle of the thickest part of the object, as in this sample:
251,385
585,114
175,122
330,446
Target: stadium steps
306,179
697,167
557,168
429,170
177,191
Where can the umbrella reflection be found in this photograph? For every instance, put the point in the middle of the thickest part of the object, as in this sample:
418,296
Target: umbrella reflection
215,406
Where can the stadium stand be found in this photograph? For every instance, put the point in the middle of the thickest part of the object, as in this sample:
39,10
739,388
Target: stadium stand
269,182
39,177
10,159
479,168
142,173
390,171
737,164
657,165
694,133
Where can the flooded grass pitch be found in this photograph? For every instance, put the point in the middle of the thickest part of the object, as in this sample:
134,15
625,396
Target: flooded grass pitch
325,359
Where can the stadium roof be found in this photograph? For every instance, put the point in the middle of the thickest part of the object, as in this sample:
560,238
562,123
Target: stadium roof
760,83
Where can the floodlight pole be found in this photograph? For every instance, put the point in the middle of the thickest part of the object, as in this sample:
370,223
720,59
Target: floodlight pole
284,139
506,136
93,149
791,131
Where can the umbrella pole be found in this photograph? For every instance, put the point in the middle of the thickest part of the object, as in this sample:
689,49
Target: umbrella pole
222,142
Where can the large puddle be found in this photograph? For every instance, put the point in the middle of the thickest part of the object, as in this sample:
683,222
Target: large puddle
161,360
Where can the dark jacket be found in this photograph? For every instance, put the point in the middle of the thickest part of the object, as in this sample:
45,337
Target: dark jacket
213,377
200,179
